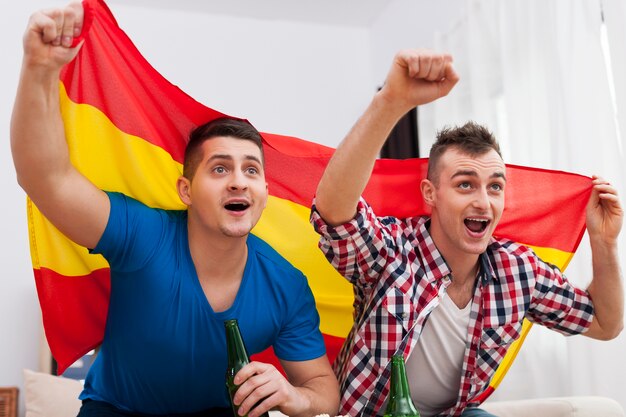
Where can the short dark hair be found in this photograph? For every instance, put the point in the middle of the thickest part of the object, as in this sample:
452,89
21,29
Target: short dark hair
223,126
471,139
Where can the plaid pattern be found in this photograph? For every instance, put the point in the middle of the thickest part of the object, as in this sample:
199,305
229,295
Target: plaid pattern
399,277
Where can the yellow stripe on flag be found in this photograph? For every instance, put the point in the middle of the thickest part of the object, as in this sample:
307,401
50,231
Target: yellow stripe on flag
113,160
51,249
554,256
116,161
285,226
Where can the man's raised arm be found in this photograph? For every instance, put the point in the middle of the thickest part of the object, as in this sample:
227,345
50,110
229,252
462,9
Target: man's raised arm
416,77
604,223
40,154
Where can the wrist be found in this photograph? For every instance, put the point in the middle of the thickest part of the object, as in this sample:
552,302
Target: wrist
35,73
304,405
603,245
42,67
389,107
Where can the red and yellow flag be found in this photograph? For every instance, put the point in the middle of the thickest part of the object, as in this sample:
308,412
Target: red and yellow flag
126,129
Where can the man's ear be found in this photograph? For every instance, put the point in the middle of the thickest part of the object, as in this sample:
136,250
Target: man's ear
183,186
428,192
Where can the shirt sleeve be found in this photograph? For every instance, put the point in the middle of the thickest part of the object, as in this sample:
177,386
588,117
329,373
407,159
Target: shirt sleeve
557,304
132,230
361,248
300,338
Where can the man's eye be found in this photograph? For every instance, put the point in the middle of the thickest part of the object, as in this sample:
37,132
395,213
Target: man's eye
252,171
219,170
465,186
497,187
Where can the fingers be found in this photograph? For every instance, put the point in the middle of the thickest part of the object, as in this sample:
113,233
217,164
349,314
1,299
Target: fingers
58,27
450,78
261,388
604,211
598,180
604,189
249,370
79,17
44,24
427,65
266,395
417,77
67,28
607,196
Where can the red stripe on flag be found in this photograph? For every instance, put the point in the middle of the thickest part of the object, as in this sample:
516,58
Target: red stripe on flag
544,208
533,196
484,395
74,312
131,88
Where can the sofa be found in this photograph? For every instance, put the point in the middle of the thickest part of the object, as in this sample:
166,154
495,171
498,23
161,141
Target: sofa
557,407
46,395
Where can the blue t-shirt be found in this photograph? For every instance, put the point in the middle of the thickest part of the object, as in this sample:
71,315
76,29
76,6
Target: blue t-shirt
164,348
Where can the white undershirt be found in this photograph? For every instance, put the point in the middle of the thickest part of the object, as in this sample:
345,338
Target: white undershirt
435,365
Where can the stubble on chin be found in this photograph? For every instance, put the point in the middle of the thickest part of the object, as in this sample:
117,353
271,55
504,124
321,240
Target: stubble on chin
236,232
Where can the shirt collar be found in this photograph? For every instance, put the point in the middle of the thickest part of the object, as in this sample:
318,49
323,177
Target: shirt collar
486,272
435,267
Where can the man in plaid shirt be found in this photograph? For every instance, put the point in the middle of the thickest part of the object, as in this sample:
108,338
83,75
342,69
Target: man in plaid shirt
441,289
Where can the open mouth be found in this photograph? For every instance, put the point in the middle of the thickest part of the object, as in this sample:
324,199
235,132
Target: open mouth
476,225
237,206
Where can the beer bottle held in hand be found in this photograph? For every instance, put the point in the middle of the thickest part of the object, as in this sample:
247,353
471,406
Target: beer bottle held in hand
237,359
399,403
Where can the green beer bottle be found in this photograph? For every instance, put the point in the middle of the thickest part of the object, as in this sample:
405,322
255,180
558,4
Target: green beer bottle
399,403
237,359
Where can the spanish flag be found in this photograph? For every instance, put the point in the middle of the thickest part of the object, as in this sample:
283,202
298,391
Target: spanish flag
126,128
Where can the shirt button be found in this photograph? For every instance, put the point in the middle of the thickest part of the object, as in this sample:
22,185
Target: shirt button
405,315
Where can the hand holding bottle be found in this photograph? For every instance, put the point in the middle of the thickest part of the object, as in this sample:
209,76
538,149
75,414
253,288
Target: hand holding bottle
238,359
262,387
256,387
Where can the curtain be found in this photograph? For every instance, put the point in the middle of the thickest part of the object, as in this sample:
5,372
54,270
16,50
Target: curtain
403,141
543,76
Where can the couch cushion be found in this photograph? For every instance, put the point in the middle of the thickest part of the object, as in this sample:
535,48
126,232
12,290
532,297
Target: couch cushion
556,407
50,396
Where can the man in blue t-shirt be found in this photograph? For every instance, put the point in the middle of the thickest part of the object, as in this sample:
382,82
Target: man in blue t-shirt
175,275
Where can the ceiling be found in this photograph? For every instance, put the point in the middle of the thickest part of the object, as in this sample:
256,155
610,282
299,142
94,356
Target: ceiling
357,13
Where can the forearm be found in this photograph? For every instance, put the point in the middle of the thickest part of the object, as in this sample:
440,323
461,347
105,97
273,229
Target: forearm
350,167
38,141
416,77
322,397
607,290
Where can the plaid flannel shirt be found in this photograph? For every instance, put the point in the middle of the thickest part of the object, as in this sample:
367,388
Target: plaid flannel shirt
399,277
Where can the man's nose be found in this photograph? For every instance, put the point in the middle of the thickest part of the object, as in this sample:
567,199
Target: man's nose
482,199
238,181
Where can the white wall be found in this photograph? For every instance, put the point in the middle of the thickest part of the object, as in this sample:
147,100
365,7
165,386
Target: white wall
305,80
410,24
